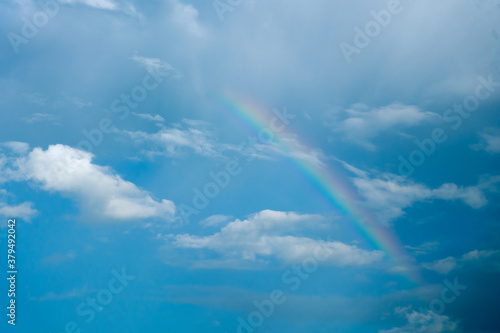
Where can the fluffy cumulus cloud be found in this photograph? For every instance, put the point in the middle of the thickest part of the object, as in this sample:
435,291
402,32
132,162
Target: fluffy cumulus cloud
420,322
390,195
269,235
101,192
362,123
446,265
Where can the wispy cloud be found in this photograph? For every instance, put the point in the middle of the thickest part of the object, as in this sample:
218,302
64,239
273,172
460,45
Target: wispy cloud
490,141
40,117
157,66
388,195
360,123
422,322
446,265
150,117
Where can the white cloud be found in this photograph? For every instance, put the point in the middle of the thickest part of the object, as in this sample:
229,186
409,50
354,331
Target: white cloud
157,66
39,117
215,220
419,322
102,193
110,5
490,141
23,211
446,265
442,266
16,147
186,17
389,197
177,141
150,117
284,145
364,123
267,235
99,4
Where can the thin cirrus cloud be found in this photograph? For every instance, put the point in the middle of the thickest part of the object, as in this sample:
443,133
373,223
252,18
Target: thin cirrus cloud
362,123
101,192
265,236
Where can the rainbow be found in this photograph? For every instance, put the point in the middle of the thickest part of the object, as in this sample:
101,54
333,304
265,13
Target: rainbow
340,194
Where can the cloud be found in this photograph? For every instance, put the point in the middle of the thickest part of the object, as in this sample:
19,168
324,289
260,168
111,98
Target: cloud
186,17
299,308
215,220
36,98
157,66
269,235
101,192
418,322
110,5
16,147
389,196
364,123
173,142
446,265
40,117
490,141
424,248
442,266
147,116
72,294
23,211
57,259
100,4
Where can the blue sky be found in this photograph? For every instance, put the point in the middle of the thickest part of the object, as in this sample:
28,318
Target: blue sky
167,164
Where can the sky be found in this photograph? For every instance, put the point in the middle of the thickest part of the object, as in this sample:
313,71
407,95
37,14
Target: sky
251,166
